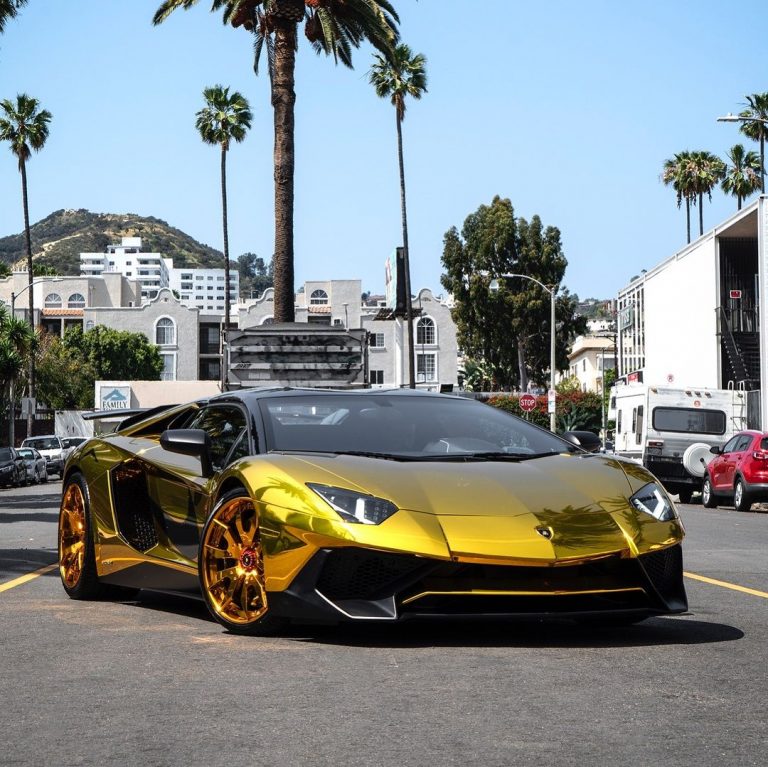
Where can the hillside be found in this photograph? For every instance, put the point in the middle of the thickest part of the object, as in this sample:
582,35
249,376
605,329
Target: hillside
58,240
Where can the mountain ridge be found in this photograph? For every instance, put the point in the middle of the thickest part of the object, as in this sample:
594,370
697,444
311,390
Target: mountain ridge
59,238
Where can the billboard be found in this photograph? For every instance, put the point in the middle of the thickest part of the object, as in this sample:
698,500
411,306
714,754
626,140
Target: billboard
394,281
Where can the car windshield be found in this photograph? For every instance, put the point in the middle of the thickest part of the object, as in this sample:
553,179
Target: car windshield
5,454
43,443
403,426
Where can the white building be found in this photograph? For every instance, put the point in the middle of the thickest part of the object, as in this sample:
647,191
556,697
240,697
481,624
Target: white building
151,270
589,358
204,288
695,319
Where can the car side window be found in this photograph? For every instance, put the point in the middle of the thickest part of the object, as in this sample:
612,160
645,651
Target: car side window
730,444
226,426
744,443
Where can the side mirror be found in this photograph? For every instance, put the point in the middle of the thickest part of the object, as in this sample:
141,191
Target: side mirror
586,440
194,442
715,450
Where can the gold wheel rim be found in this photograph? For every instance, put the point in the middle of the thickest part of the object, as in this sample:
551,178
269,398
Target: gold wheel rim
72,534
232,566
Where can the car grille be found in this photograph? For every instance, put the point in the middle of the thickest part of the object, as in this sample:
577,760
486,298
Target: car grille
664,569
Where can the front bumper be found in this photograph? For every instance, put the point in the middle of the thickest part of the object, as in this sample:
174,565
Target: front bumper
354,584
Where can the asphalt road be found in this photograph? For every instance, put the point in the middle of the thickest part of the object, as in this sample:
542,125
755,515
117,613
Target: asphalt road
156,682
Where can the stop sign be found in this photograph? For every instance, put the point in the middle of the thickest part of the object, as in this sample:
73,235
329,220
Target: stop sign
527,402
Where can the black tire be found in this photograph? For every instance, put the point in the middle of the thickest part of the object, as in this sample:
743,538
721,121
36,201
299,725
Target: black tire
708,499
225,596
77,561
741,499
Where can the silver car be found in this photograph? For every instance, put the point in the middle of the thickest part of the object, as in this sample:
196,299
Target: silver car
52,449
37,470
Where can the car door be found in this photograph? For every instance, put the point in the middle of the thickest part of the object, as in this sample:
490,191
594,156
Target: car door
733,457
718,468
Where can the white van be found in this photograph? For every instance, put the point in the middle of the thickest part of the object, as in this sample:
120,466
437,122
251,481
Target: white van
655,425
52,449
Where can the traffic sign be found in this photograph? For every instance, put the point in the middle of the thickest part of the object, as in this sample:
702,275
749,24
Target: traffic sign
527,402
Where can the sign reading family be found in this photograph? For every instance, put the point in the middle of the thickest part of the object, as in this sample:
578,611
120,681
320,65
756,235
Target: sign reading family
116,398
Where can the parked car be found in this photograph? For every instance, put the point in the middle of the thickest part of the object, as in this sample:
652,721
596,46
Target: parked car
13,471
52,449
37,470
290,504
739,472
70,443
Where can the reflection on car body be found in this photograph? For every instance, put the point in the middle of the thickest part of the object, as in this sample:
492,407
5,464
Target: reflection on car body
286,504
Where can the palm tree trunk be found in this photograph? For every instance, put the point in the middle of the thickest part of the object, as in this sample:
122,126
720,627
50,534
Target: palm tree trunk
283,100
406,257
701,214
226,236
738,202
688,218
28,242
762,158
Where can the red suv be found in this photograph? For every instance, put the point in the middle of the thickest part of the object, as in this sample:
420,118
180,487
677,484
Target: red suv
739,471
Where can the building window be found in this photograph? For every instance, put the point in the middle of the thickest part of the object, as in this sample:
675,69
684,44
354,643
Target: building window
425,331
318,297
89,325
376,340
268,321
53,301
169,367
165,332
425,367
76,301
377,376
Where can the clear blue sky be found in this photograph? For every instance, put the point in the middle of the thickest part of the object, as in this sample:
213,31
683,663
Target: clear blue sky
569,109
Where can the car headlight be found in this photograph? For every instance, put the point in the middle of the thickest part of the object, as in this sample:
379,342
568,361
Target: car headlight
356,507
651,499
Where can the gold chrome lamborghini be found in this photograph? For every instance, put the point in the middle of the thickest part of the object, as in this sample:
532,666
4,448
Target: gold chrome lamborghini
285,505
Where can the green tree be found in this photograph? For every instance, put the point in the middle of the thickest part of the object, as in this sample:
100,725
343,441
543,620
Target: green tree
396,76
8,10
706,170
757,110
255,275
65,381
333,28
25,126
507,330
5,270
676,174
742,176
116,355
16,344
224,118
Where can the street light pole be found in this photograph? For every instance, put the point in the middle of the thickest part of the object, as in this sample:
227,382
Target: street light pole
763,122
552,348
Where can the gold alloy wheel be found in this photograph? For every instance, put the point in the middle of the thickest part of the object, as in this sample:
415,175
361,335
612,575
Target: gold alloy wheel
232,564
72,532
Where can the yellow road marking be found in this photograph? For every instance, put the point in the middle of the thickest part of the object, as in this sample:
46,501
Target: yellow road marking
28,577
726,585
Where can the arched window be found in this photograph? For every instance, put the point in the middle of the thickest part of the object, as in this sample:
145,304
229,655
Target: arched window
318,297
425,331
268,321
76,301
165,332
53,301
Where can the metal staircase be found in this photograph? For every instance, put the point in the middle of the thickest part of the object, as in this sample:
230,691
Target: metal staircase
742,354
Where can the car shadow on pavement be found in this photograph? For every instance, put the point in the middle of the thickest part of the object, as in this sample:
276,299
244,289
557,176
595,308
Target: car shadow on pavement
683,630
29,516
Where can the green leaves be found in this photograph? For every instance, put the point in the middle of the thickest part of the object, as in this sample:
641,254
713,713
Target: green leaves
224,118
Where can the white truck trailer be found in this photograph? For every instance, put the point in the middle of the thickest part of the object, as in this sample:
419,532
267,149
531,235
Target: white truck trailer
655,426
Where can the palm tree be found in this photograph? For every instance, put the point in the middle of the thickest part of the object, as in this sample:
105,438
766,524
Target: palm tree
676,174
25,126
706,170
333,27
403,74
755,128
742,176
224,119
8,10
16,342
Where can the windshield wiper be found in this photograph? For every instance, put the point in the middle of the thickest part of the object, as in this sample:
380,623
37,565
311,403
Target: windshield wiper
359,453
487,456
